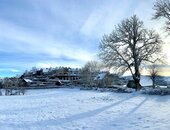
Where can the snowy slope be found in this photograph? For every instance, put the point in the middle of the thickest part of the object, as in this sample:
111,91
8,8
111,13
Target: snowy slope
72,109
144,80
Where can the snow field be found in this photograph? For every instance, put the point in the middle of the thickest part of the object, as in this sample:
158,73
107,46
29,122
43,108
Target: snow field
74,109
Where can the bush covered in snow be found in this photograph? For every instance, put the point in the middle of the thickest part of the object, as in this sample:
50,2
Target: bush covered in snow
124,90
86,88
156,91
133,85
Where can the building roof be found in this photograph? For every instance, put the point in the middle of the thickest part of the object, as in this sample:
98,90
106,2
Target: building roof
100,76
28,80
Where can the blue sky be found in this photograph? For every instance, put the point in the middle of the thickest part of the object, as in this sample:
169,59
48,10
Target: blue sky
46,33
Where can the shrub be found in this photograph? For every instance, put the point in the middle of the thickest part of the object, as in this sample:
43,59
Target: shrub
157,91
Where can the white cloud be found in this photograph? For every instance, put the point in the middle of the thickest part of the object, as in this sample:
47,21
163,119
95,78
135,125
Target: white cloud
102,19
9,69
91,22
30,42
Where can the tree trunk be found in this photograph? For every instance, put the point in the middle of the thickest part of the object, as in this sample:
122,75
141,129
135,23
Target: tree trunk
136,79
153,81
137,84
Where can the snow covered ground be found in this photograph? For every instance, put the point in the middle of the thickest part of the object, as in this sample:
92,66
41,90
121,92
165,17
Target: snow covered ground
74,109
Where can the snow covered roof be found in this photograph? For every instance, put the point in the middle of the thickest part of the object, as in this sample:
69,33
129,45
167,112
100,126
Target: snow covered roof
28,80
100,76
46,70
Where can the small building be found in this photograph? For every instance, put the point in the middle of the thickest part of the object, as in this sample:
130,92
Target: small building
106,79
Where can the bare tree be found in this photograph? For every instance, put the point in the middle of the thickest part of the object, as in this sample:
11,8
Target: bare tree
154,71
7,84
130,45
162,10
89,71
22,85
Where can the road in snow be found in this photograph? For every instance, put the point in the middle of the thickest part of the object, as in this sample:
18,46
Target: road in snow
73,109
